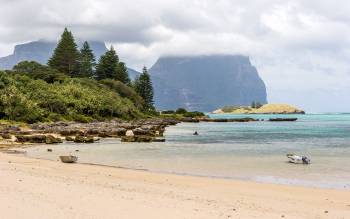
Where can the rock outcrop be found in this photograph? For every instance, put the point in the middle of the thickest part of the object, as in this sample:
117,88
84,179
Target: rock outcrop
265,109
204,83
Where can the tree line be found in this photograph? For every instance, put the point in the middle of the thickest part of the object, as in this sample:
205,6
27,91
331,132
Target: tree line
71,61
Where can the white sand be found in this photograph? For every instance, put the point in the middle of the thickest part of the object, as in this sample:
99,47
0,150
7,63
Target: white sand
32,188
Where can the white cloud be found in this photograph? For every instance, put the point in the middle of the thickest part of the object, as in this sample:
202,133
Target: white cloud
301,48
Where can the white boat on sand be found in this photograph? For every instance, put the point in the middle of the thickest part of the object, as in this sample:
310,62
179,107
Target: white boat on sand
298,159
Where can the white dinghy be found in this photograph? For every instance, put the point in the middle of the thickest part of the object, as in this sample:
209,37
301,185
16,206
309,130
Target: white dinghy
298,159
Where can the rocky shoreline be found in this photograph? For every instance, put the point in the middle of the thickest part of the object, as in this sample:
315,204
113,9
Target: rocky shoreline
148,130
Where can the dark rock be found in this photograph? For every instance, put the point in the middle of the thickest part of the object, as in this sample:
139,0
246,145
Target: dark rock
140,138
189,119
70,132
104,135
83,139
6,136
159,140
140,131
48,139
52,140
69,138
89,139
49,150
31,138
117,132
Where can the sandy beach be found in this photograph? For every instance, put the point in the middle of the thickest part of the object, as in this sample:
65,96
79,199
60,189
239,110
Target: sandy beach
33,188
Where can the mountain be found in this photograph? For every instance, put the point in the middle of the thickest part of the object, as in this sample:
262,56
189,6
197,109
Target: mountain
205,83
40,51
133,73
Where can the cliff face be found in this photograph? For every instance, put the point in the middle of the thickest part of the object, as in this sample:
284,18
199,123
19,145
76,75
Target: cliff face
205,83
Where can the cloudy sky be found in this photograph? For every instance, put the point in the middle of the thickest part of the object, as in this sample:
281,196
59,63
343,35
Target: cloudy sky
300,47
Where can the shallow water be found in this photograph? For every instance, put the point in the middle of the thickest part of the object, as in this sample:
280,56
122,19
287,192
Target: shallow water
253,151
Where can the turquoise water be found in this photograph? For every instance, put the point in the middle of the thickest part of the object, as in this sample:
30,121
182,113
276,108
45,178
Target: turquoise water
249,151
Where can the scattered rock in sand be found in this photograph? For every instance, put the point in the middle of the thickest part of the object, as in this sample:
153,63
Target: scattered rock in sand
83,139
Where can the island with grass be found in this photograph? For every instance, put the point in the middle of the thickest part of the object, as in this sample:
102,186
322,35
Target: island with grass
260,109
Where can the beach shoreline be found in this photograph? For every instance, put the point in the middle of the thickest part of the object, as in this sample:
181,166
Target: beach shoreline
49,189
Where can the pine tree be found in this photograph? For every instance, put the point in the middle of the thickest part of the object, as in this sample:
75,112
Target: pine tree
66,55
253,105
87,61
143,86
107,65
122,73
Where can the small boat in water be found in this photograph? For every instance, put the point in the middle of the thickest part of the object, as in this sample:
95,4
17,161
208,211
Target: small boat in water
298,159
283,119
69,159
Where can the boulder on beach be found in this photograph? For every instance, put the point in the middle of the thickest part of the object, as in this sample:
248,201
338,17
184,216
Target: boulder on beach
52,140
139,138
83,139
47,139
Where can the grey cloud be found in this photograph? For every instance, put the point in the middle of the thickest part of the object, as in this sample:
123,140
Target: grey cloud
301,48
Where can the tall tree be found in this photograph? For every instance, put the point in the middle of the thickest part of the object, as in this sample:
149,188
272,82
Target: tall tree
87,61
107,65
66,55
122,73
143,86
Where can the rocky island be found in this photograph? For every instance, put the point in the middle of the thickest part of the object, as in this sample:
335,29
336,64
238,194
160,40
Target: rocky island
264,109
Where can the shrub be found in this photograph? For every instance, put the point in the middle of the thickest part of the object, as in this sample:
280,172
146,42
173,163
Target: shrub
29,100
193,114
168,112
181,111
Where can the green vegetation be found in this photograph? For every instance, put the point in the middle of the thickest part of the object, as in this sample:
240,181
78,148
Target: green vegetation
29,100
109,67
66,56
87,61
228,109
66,89
181,113
143,86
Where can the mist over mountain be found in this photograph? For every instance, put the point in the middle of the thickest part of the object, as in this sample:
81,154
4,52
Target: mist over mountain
205,83
201,83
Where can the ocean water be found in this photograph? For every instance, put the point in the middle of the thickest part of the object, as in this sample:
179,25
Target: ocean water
248,151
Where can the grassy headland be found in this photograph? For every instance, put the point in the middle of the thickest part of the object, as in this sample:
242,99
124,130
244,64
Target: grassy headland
263,109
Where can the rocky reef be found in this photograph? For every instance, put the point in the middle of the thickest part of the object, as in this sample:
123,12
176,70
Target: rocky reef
148,130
